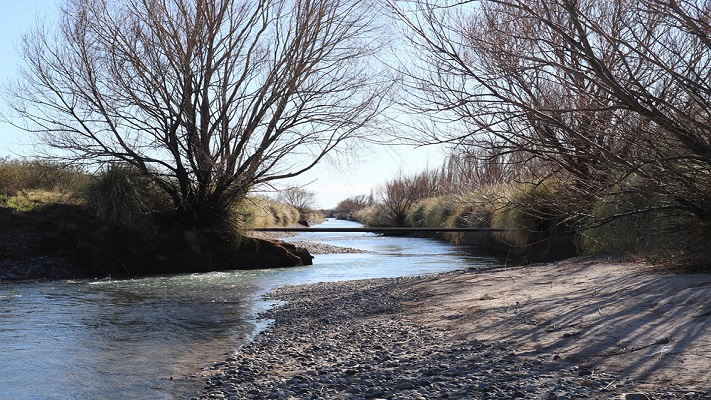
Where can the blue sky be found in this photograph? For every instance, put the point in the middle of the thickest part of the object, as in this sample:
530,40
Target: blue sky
331,181
16,18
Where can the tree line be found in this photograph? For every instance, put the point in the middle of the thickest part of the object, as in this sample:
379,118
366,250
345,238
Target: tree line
601,94
211,98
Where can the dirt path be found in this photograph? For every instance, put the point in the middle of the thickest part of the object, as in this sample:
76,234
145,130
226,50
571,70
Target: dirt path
649,326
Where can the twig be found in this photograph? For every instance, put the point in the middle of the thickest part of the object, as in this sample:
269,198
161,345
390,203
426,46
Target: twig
661,341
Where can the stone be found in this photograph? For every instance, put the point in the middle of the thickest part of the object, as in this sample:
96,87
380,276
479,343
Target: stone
405,386
634,396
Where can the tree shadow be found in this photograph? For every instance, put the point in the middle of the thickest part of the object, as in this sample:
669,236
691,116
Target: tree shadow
650,327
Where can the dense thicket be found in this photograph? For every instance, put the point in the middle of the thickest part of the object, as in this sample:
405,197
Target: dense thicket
608,102
18,176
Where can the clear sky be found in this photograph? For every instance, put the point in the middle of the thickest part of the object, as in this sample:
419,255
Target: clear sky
331,181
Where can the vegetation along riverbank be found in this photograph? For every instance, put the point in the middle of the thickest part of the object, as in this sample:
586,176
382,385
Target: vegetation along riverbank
580,138
538,220
58,222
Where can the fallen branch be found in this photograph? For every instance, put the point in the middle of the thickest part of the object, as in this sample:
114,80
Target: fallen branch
625,351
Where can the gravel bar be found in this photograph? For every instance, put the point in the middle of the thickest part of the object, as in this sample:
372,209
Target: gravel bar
325,248
354,340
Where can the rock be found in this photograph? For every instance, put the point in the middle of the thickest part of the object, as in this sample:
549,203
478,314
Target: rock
261,253
324,248
634,396
405,386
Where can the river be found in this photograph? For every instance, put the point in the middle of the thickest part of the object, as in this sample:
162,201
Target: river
147,337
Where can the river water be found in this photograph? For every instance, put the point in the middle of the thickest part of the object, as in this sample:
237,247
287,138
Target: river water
146,338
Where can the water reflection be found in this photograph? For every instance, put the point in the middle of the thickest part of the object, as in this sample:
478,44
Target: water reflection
127,339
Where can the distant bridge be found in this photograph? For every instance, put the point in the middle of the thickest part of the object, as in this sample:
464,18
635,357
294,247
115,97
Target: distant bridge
379,230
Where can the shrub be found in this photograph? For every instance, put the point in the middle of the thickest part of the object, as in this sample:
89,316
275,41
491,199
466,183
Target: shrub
121,195
254,212
626,220
440,211
475,209
346,209
262,212
284,214
19,176
417,217
34,200
374,216
524,210
470,212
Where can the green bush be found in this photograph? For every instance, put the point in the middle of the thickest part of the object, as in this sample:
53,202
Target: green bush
19,176
525,210
474,210
439,211
20,203
262,212
627,220
121,195
417,217
470,212
374,216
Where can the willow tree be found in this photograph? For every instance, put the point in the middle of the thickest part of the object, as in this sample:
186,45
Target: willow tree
600,91
208,98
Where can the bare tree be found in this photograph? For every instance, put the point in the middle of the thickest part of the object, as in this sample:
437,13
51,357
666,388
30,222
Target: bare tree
346,208
493,73
399,195
301,199
598,90
207,97
469,167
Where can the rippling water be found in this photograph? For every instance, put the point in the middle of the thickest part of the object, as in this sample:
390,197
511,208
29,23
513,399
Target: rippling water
144,338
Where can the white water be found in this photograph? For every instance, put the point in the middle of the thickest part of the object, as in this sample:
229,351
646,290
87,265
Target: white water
127,339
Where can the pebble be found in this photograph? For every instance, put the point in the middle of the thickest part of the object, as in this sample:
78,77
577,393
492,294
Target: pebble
352,340
324,248
635,396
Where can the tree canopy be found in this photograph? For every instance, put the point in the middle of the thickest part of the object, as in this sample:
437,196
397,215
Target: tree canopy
600,93
207,97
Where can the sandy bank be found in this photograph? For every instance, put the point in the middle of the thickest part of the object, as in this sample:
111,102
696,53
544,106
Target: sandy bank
577,329
624,318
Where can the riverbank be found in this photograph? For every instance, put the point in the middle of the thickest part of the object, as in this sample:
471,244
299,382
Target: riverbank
62,241
313,247
582,328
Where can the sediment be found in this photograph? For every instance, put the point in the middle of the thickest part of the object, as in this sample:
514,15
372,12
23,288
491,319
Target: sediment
324,248
360,340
